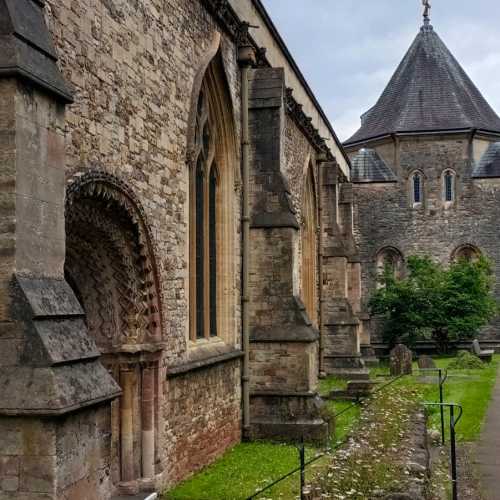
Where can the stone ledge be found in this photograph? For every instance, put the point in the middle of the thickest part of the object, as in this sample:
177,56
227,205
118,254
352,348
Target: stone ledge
286,333
275,220
55,391
183,369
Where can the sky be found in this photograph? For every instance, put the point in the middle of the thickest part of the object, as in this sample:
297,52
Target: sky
349,49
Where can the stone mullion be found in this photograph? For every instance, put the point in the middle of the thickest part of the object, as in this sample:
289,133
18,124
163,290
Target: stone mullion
192,253
148,420
206,252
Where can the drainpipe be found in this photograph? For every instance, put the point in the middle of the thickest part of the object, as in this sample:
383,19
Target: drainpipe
246,58
321,366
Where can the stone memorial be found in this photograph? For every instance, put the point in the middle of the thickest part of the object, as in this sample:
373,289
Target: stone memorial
400,361
426,363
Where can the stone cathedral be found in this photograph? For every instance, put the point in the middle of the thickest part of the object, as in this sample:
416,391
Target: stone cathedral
177,256
185,244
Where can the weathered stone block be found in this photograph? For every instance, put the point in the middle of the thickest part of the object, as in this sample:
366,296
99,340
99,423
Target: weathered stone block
9,466
401,360
9,483
38,474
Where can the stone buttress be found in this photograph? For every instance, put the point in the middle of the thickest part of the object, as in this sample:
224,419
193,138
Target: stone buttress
284,343
341,287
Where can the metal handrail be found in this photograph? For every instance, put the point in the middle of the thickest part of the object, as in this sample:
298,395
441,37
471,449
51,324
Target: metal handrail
441,382
303,463
453,422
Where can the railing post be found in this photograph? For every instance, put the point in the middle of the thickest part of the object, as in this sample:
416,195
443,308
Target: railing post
453,454
441,382
302,456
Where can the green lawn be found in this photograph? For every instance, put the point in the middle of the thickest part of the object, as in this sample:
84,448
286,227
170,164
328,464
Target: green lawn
472,390
249,466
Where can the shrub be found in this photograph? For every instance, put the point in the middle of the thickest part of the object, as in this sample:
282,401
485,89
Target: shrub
466,361
435,302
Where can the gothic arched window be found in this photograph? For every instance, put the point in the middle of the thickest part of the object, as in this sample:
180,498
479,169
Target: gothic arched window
204,224
449,186
212,228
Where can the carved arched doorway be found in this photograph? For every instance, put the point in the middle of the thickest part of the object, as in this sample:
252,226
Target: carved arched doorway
110,265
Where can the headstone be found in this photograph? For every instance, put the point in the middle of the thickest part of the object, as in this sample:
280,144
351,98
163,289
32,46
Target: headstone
426,363
401,359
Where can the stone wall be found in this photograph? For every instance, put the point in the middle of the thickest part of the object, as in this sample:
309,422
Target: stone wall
384,215
134,68
204,418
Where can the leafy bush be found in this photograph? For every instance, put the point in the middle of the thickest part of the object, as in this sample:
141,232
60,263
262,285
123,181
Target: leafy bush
466,361
435,302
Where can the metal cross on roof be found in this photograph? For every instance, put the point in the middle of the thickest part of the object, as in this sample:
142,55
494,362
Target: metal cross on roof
427,10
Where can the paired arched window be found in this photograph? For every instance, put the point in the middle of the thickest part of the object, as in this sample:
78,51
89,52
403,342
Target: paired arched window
417,189
204,227
309,247
211,210
449,186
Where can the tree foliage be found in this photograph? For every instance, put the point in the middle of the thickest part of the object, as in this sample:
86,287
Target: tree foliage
434,301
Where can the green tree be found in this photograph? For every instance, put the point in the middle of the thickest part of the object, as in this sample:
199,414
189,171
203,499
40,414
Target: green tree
432,301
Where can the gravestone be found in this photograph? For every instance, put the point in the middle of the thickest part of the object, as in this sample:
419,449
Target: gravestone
426,363
401,359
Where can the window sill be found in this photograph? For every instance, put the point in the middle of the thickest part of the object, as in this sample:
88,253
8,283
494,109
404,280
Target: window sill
198,364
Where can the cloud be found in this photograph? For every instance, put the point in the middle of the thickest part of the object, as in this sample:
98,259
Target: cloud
349,49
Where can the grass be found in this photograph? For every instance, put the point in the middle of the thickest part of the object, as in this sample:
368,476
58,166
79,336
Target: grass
329,384
471,389
248,467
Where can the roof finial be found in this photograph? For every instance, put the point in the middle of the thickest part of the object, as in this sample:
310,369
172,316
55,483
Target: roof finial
427,11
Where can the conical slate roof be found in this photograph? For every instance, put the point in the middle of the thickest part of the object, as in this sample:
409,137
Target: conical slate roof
429,91
489,165
367,166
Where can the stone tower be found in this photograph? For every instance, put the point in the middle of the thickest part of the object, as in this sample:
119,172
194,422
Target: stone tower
426,164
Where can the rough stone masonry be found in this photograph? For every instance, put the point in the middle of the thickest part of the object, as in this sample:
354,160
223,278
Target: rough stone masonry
121,221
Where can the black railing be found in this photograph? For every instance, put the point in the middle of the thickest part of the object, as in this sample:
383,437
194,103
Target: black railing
301,448
453,445
441,381
363,400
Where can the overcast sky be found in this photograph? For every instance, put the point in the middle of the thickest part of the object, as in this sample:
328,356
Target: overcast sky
349,49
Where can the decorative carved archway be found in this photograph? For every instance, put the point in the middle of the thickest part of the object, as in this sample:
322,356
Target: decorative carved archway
110,264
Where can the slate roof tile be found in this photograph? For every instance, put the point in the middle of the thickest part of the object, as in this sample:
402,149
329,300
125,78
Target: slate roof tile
429,91
368,166
489,165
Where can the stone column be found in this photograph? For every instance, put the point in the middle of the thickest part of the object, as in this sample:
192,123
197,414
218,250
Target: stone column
148,423
127,424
